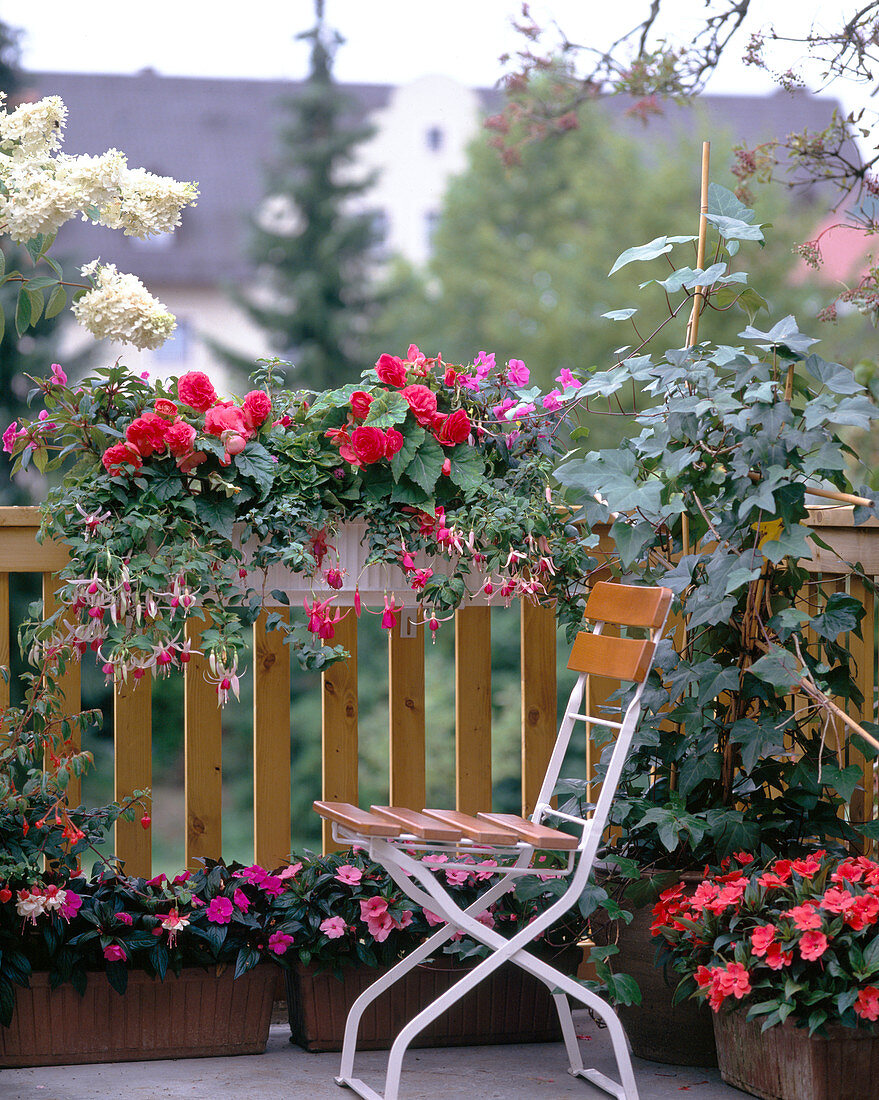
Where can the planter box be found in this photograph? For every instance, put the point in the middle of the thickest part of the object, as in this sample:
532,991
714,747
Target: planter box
509,1007
350,546
201,1014
784,1063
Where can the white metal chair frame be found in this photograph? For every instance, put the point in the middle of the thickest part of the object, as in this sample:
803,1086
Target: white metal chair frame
393,838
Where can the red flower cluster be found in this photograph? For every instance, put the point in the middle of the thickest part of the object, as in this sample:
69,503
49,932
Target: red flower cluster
363,444
800,919
163,431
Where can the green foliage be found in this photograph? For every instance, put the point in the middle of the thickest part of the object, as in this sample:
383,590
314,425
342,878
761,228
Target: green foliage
709,500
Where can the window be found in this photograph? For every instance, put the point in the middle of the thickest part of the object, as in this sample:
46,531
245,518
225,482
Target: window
434,138
178,348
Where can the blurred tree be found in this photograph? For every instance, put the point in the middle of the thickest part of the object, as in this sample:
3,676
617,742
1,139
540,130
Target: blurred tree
313,296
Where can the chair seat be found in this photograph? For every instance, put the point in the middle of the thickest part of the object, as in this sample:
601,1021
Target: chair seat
446,826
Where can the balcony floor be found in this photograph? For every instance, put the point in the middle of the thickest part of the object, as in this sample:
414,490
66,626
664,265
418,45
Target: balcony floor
286,1072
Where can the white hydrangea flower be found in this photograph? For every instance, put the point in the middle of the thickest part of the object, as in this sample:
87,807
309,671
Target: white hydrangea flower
96,179
121,308
34,129
35,201
147,204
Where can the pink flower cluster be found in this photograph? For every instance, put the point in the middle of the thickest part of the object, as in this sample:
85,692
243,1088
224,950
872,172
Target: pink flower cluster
36,901
163,431
379,922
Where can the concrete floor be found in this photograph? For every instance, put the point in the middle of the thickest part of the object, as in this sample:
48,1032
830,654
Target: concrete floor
285,1072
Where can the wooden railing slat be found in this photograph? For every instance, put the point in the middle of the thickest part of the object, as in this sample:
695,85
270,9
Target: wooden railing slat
203,774
4,637
406,690
473,709
133,770
68,683
271,743
339,725
539,702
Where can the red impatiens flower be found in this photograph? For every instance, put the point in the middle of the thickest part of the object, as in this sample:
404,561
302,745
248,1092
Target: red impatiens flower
867,1004
812,945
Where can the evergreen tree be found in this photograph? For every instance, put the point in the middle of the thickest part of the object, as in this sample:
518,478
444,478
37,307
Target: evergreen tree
312,251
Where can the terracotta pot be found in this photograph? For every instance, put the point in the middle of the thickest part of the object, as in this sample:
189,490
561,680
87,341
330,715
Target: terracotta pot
784,1063
508,1007
201,1014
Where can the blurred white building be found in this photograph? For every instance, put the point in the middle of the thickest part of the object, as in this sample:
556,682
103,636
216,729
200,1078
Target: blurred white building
223,134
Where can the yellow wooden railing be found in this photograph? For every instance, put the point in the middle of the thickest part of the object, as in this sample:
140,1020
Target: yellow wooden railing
20,553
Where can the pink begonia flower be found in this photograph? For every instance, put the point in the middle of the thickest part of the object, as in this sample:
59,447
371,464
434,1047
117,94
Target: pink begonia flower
279,942
333,927
115,953
349,875
59,378
565,379
219,911
241,900
518,373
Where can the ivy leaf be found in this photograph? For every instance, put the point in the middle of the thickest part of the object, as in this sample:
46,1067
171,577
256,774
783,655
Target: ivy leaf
794,543
841,614
836,377
696,768
759,737
722,201
630,540
843,780
387,409
657,247
734,229
778,668
784,332
216,513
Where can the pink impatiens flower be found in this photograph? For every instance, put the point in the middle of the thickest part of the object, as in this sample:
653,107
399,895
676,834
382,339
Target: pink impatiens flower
219,911
761,938
333,927
115,953
349,875
518,373
813,945
279,942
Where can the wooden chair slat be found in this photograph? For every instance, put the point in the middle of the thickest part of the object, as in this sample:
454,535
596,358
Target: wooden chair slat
627,604
420,825
360,821
479,831
614,658
541,836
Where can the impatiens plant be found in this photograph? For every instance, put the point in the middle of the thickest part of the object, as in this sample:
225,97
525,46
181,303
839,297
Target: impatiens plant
41,188
164,484
797,939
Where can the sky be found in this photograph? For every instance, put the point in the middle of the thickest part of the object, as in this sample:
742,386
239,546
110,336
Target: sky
386,41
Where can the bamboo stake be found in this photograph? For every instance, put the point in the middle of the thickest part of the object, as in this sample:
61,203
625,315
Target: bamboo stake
699,296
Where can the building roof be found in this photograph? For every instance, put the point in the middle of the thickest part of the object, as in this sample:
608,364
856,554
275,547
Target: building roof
222,134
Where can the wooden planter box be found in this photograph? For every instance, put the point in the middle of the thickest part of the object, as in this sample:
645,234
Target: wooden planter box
509,1007
201,1014
784,1063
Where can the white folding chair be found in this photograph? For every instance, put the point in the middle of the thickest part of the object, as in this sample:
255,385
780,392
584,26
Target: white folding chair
396,837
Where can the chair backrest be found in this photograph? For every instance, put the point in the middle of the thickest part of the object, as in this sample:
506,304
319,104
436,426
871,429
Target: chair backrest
627,659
